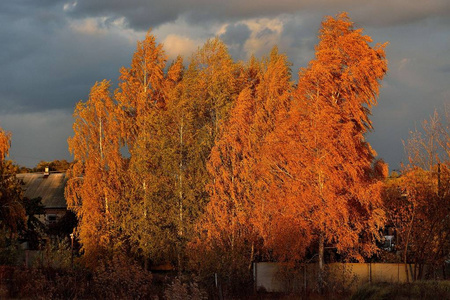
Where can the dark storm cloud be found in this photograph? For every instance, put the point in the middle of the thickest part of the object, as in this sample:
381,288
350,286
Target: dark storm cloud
142,14
38,136
46,65
398,12
235,33
415,85
444,69
139,14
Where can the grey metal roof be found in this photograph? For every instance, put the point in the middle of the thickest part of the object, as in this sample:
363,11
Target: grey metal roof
50,188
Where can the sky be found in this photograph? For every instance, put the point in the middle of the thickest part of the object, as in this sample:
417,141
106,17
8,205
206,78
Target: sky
52,52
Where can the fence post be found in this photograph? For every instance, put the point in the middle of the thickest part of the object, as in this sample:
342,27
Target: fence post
304,276
255,279
218,286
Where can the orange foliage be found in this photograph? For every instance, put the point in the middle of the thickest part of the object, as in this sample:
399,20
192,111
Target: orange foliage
5,143
94,185
141,87
291,168
141,101
233,164
318,158
285,167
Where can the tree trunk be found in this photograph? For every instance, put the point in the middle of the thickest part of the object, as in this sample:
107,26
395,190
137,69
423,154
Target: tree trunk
405,251
321,261
180,200
252,253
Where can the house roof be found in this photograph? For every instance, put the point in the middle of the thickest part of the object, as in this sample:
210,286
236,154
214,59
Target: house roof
49,187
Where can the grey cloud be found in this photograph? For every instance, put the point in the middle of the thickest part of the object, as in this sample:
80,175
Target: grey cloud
38,136
141,14
444,69
236,33
55,67
235,37
19,9
398,12
301,30
264,32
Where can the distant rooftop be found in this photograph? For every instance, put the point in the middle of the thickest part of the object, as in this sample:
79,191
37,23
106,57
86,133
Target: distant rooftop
49,187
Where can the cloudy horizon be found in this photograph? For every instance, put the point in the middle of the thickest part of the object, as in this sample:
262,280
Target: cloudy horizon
53,52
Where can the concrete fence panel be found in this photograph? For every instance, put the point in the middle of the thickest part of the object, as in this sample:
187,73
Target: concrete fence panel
266,277
276,277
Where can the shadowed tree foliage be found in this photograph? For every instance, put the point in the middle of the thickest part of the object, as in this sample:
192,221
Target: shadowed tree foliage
12,212
418,202
33,229
56,165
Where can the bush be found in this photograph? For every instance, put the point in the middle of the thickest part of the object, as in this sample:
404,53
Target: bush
121,278
184,291
340,279
48,283
10,250
118,278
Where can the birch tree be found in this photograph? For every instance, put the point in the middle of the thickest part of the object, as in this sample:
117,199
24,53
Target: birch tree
318,154
94,184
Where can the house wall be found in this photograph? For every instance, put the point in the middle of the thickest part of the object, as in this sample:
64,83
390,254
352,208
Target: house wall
58,212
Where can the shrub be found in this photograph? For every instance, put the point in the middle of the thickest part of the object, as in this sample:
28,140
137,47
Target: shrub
184,291
121,278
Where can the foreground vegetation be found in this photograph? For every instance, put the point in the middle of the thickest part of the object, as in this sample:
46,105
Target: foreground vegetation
124,280
426,290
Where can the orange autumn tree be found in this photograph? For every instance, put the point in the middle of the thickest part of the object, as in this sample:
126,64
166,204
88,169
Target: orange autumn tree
141,88
5,144
318,158
94,185
210,86
215,86
273,95
141,101
12,211
229,232
284,168
173,140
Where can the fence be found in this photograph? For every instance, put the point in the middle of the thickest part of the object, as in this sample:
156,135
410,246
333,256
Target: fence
276,277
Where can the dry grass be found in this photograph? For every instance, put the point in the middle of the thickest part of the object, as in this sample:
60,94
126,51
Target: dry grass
418,290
